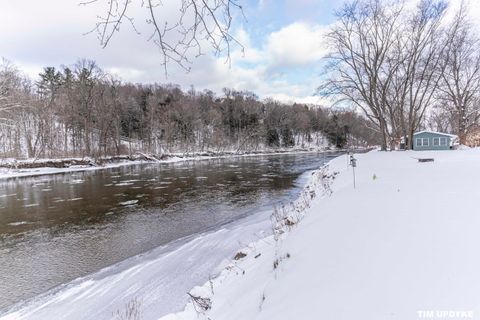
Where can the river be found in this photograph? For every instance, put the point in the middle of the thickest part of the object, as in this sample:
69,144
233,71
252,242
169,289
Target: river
56,228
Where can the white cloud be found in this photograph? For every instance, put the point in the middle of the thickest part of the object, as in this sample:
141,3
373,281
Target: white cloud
249,53
296,44
311,100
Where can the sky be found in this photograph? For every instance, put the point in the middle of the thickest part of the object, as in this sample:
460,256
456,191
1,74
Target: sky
282,41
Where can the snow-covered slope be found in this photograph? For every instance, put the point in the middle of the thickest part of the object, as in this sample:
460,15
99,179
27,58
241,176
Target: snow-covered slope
405,242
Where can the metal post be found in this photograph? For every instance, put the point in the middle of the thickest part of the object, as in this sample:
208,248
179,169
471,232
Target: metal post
354,186
353,163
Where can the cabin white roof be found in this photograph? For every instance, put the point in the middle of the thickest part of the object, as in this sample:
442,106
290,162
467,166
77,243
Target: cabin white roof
435,132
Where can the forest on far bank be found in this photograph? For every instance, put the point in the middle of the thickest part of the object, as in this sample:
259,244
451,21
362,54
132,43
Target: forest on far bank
81,110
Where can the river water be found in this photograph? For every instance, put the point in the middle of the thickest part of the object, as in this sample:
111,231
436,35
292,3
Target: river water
56,228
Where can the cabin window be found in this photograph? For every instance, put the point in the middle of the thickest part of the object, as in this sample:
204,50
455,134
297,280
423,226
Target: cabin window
425,142
436,142
443,141
419,142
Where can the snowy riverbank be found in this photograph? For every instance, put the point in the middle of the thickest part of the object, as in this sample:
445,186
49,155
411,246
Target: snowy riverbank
168,272
402,245
11,168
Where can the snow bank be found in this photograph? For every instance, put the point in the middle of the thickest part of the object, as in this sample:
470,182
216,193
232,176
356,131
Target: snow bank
402,245
7,173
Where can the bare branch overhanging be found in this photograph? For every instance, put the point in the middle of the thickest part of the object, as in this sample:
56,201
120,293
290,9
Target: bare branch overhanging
200,24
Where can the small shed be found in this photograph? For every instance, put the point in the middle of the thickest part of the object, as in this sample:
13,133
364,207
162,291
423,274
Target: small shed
431,140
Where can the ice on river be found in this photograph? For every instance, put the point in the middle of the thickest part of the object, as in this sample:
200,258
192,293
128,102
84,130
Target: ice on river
8,195
19,223
128,203
77,181
31,205
122,184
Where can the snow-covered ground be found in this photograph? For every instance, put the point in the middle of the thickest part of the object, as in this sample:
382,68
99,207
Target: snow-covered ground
403,245
7,173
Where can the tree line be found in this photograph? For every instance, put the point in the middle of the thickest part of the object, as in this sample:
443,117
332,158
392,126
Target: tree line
81,110
406,67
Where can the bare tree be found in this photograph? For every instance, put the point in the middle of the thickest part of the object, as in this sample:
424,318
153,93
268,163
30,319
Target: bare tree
15,99
386,61
199,22
10,83
459,91
84,111
439,119
420,71
361,43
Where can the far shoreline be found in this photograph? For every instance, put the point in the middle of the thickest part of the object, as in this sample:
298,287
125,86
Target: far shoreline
13,168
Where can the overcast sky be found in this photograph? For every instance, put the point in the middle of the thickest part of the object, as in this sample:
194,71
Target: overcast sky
282,39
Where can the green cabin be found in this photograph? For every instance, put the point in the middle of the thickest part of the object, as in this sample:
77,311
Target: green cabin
430,140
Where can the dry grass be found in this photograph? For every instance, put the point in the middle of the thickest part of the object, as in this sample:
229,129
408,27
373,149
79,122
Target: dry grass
201,304
131,311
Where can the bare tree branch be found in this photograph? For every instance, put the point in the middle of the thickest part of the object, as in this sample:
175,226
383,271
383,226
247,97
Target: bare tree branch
200,23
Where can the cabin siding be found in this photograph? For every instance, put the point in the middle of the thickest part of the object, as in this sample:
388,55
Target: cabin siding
431,141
